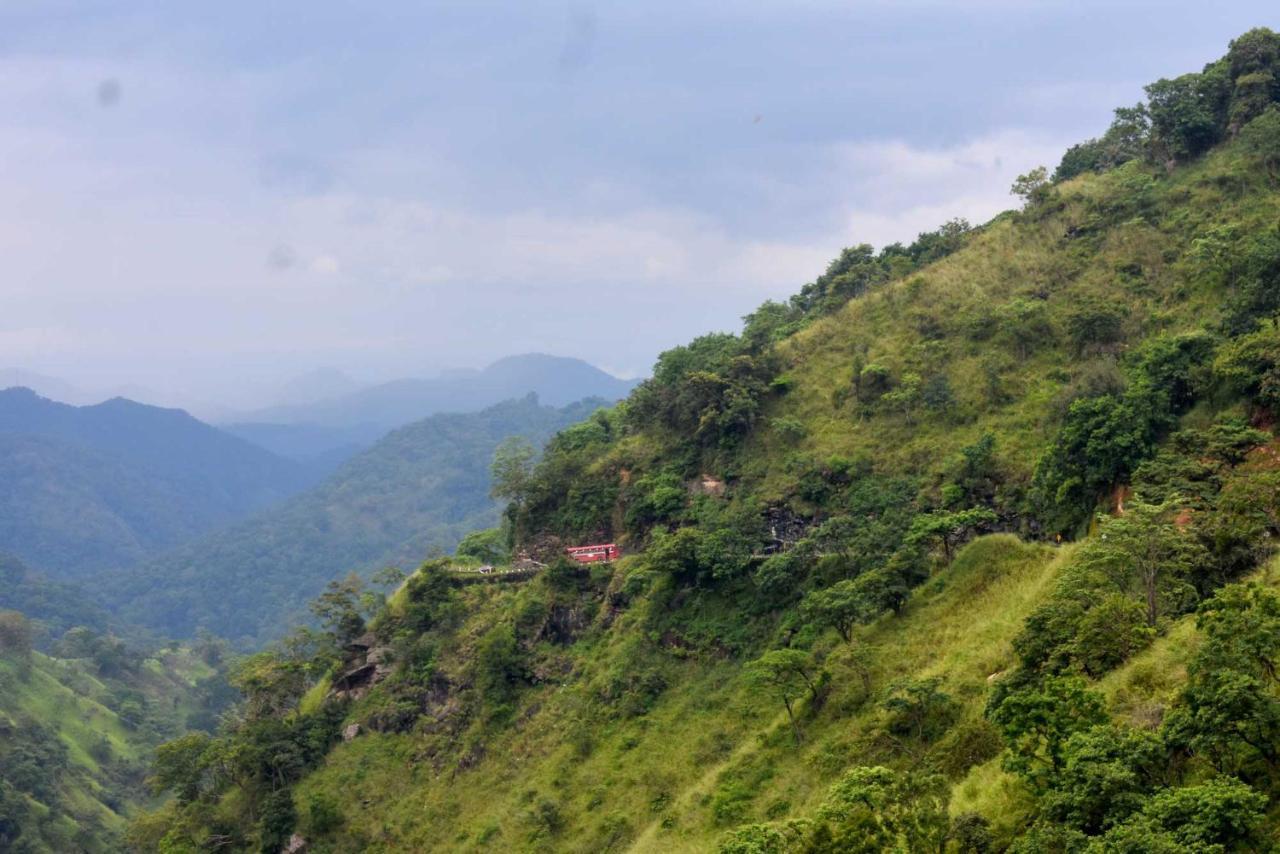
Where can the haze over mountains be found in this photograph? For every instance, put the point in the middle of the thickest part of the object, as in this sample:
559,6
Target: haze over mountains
557,381
120,484
92,487
418,490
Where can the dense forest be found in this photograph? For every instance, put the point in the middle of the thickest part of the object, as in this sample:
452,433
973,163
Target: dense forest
966,547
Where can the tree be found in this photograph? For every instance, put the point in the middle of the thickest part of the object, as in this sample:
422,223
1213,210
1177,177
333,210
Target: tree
767,838
787,673
918,708
1037,720
1031,187
512,469
182,766
1094,322
15,637
271,684
841,606
1100,442
1108,774
488,545
876,809
1230,708
1127,139
341,609
1109,633
1187,114
1147,548
1222,814
1024,324
500,668
948,529
905,397
1250,366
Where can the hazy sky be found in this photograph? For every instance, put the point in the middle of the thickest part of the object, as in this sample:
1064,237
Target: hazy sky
193,196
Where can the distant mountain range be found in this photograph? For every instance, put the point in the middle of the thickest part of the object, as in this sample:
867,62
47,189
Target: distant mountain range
91,487
422,487
218,522
557,380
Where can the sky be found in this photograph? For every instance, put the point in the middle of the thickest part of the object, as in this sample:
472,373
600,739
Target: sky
201,200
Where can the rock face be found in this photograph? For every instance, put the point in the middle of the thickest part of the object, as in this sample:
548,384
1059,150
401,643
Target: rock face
297,845
350,732
367,664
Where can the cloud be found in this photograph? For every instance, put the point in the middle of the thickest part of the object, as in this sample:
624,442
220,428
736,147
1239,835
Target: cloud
400,187
897,190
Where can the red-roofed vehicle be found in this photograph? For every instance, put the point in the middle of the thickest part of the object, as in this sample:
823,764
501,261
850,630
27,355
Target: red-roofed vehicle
602,553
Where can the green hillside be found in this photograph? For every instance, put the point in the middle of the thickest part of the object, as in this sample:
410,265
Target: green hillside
966,547
90,488
78,733
421,488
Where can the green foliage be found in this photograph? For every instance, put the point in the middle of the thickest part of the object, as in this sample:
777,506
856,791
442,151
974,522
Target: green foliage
1107,776
15,636
1032,186
1126,139
787,674
1220,815
1100,442
876,809
1140,569
841,606
695,555
1187,113
770,486
488,545
1231,706
918,708
712,391
500,669
1038,719
1250,366
765,838
511,469
948,528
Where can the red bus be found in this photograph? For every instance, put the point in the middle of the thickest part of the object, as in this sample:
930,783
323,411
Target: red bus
593,554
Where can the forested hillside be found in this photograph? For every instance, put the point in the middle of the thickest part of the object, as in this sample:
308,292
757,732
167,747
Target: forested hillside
52,607
966,547
78,731
95,487
422,488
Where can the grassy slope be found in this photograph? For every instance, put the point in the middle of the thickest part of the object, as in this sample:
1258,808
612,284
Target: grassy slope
65,696
710,756
669,781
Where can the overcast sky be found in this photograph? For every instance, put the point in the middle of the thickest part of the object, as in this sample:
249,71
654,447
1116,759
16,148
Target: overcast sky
198,196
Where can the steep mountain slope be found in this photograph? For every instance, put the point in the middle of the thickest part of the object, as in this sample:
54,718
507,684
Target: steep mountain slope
93,487
78,734
967,547
421,488
557,381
